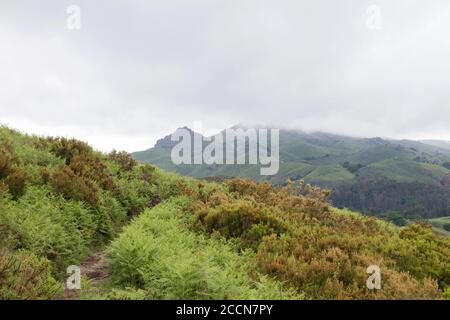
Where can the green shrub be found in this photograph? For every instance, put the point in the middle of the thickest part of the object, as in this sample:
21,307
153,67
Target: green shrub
113,207
446,294
109,215
171,185
25,276
3,188
420,252
48,226
135,194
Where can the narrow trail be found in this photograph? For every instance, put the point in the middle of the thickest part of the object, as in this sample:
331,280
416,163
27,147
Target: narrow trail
96,269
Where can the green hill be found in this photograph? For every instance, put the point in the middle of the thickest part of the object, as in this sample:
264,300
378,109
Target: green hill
357,169
165,236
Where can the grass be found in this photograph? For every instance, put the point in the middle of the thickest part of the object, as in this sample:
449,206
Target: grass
438,225
406,171
332,173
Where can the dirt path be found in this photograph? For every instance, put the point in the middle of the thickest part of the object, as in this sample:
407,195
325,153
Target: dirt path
95,269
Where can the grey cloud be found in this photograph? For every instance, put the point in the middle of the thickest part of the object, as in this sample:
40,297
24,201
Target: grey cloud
139,69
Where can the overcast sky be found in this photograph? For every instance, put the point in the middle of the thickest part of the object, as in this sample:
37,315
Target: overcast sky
138,69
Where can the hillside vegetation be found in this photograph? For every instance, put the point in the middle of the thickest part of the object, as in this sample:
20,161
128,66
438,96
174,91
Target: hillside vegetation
359,170
442,225
171,237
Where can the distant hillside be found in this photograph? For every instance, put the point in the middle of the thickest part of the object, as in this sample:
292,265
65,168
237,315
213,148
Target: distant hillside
404,178
438,143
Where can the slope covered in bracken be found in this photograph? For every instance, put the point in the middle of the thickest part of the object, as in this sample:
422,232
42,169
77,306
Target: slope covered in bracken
166,236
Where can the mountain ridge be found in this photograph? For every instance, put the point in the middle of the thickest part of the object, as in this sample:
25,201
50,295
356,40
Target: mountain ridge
344,163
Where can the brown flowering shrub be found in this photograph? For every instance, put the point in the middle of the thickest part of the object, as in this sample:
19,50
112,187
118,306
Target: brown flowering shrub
6,164
65,148
12,174
16,182
92,168
73,186
123,159
243,218
300,239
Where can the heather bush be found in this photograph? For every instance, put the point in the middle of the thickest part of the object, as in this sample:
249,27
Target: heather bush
92,168
16,182
73,186
65,148
243,218
335,273
123,159
6,164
